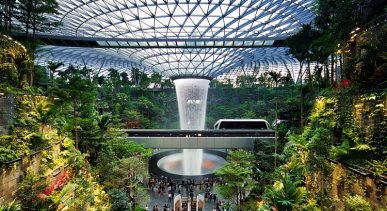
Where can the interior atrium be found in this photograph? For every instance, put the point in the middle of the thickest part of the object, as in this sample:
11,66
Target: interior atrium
193,105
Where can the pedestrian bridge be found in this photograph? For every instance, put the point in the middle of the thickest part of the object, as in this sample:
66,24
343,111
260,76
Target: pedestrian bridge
199,139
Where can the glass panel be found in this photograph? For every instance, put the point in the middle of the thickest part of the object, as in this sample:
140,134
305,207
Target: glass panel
181,43
123,43
210,43
248,43
238,43
190,43
228,43
113,43
102,43
268,42
199,43
143,44
219,43
162,43
258,43
171,43
135,44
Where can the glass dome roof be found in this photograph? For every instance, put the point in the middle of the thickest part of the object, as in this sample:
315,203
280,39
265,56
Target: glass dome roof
154,22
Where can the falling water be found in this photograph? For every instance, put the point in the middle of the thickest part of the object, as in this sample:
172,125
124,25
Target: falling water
192,100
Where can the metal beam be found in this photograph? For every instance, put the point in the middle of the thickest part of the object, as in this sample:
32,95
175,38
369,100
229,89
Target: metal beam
200,142
200,139
111,42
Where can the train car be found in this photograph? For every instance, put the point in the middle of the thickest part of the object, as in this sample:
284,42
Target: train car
242,124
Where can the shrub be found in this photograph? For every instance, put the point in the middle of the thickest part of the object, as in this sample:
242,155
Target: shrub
119,199
13,206
357,203
6,154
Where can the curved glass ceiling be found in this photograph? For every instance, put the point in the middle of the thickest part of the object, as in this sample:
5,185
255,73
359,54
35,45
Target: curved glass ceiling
150,20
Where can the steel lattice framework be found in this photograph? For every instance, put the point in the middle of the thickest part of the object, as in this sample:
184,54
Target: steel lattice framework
158,23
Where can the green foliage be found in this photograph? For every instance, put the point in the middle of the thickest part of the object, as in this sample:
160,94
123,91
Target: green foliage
33,15
357,203
237,175
103,123
7,154
310,205
77,95
12,206
15,64
29,188
119,199
285,195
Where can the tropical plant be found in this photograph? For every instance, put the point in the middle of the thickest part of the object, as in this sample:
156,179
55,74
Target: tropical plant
15,64
357,203
119,199
237,175
129,173
29,188
53,67
103,123
12,206
285,194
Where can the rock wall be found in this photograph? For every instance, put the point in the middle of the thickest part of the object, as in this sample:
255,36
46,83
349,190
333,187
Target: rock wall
346,182
13,173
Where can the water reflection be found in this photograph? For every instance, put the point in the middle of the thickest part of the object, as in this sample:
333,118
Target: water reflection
174,164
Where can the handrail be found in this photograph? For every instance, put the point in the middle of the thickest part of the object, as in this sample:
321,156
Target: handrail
361,171
8,163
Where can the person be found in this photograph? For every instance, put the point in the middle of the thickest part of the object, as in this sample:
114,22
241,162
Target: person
169,197
214,209
146,207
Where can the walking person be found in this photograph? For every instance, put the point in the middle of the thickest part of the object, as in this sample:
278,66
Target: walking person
169,197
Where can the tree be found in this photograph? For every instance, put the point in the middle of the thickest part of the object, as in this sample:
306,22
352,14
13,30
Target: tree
103,123
7,13
33,15
53,67
44,115
237,175
276,78
299,46
139,78
130,173
16,64
77,95
167,84
285,195
156,79
120,199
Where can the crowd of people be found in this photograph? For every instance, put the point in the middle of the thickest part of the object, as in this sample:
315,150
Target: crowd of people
161,185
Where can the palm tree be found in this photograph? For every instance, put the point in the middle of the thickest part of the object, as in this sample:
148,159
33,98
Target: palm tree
16,62
299,46
44,116
285,195
53,66
276,78
103,123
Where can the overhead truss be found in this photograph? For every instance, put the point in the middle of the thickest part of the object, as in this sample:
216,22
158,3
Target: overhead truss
187,37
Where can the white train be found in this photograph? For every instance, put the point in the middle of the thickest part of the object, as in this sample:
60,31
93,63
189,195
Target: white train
242,124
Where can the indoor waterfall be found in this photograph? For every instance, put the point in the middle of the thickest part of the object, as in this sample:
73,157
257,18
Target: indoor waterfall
192,101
